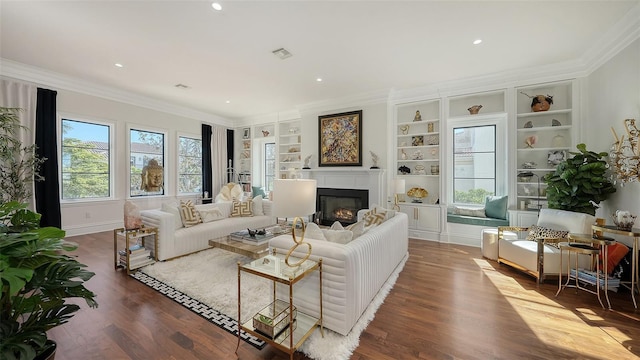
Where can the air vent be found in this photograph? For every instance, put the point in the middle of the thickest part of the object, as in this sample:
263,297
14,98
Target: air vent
181,86
282,53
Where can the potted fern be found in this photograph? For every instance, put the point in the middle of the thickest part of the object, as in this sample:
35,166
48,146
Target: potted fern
579,183
37,281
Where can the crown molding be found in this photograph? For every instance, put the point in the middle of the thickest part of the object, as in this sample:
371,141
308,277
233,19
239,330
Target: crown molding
275,117
369,98
19,71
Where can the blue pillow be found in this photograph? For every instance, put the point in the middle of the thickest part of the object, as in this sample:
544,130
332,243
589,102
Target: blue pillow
496,207
257,190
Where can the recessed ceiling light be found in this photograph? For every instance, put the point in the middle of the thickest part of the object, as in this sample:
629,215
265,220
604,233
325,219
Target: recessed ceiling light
319,79
477,42
216,6
118,65
228,101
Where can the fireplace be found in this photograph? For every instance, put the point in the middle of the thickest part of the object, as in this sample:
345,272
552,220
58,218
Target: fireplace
340,205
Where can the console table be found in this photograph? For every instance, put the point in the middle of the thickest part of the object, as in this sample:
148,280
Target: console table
635,235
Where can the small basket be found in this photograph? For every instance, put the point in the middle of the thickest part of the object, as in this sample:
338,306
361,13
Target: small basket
273,319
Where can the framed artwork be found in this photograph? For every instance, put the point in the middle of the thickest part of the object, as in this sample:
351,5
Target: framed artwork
246,133
340,139
555,157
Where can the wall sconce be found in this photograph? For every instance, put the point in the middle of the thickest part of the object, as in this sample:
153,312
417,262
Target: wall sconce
624,155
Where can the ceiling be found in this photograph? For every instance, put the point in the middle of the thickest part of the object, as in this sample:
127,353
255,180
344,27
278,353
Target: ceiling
356,47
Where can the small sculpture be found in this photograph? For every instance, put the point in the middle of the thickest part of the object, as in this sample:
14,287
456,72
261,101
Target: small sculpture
418,117
265,133
417,194
539,102
403,170
417,155
306,162
403,155
132,219
530,141
404,129
374,158
555,122
152,177
529,165
528,125
474,109
420,169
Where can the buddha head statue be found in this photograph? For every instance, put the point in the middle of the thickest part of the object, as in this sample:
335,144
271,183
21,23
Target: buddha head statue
152,177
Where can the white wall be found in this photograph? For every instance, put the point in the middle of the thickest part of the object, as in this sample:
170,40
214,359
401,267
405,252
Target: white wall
613,94
88,217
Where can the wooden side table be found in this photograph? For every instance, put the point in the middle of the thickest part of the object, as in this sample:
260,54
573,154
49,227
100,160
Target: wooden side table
578,248
635,235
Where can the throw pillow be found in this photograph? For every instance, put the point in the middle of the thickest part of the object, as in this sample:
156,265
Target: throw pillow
374,217
230,192
389,213
173,210
258,191
356,228
189,214
242,208
257,206
496,207
337,226
209,212
536,232
338,236
469,211
313,232
615,253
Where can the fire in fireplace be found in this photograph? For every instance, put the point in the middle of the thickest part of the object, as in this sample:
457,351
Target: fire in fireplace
340,205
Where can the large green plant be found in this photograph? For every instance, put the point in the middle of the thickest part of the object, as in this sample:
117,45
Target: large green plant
19,163
579,183
37,280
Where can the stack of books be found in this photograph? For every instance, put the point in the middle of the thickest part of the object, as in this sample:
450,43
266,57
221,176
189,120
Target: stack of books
589,277
138,257
256,239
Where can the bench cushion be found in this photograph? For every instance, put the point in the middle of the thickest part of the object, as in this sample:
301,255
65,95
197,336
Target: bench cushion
472,220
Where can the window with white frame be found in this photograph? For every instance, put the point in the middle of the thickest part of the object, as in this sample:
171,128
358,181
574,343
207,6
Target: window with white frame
269,165
474,163
147,169
478,159
85,170
189,165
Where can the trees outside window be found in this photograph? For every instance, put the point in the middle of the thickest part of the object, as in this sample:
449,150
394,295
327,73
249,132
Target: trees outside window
86,160
189,165
474,163
269,165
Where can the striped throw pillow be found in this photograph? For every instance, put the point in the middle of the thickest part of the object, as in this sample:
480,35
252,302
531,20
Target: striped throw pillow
242,208
374,217
190,216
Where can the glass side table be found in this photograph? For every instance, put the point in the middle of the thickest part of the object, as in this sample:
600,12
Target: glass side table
635,235
296,326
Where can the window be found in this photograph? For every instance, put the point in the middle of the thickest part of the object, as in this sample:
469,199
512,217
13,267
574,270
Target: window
474,163
147,170
189,165
86,160
269,165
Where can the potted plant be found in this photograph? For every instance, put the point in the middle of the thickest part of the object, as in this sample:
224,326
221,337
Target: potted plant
37,280
579,183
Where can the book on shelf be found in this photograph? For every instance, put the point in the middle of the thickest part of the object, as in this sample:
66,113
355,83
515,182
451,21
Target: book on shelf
140,263
137,253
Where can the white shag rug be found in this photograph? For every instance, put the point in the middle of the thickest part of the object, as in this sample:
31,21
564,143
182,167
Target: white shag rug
210,276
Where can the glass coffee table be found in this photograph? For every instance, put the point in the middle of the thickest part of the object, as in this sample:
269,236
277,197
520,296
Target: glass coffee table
244,248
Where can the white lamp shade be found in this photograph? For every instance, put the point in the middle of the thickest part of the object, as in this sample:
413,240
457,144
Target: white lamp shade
398,186
294,197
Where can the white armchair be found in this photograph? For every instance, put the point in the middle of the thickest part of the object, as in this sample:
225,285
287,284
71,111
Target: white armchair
540,258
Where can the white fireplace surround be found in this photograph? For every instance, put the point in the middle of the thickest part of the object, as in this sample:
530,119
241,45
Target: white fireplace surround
351,178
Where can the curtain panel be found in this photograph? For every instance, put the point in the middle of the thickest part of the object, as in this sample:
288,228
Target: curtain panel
47,192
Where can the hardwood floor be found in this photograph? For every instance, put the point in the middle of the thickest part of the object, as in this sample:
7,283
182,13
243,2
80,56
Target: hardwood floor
448,303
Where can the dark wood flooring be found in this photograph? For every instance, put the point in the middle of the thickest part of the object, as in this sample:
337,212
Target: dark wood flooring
448,303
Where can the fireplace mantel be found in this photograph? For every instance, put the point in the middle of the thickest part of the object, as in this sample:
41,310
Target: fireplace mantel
350,178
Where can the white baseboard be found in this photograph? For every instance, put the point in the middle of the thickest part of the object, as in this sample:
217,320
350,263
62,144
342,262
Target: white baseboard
92,228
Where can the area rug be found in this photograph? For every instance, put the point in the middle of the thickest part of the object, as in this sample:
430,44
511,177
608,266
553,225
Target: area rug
206,283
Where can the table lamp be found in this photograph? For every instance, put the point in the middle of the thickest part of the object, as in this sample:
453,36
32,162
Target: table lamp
398,188
295,198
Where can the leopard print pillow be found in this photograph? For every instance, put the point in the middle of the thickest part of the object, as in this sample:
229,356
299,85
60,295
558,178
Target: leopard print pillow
536,232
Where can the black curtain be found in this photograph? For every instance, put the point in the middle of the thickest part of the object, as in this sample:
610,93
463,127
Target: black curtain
230,152
47,192
207,180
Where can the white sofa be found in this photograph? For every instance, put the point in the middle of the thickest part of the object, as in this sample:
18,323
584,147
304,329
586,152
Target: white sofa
540,258
352,273
175,240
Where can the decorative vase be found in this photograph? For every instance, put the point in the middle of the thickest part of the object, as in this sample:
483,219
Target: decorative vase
430,127
541,103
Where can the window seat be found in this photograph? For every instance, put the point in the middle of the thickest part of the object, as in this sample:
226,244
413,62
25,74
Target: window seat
476,220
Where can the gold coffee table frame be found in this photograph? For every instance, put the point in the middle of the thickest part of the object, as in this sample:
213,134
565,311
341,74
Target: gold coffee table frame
574,248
